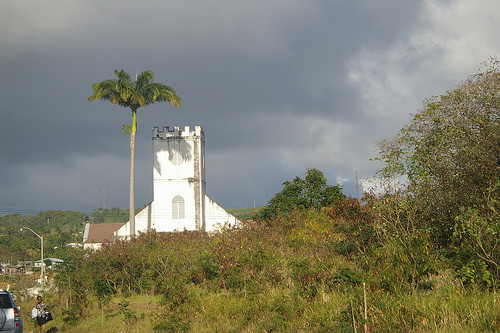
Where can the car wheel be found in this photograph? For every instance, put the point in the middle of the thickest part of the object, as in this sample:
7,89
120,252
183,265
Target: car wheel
2,318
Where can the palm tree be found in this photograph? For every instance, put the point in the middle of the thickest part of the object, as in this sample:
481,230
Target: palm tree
140,93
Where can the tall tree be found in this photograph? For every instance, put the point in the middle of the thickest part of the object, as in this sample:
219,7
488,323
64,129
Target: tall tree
133,95
312,192
450,151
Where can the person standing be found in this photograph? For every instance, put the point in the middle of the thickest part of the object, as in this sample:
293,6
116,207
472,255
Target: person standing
41,308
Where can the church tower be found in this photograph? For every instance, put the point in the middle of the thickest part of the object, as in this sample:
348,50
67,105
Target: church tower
180,202
179,178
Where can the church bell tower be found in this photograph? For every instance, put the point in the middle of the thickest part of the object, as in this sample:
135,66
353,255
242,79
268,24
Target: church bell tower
179,178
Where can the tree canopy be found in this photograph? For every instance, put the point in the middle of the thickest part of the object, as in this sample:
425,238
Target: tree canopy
450,150
311,192
134,94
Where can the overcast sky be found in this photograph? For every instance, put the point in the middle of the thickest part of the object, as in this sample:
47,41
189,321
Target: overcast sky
278,85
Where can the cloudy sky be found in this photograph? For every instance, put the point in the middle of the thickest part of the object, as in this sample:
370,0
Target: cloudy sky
278,85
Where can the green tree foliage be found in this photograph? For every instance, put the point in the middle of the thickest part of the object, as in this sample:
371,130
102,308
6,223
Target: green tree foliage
112,215
479,251
133,95
57,227
312,192
450,151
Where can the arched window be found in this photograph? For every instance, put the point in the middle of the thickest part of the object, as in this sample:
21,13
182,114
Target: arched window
177,207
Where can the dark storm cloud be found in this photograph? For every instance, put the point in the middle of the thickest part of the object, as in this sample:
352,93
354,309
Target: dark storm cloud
279,86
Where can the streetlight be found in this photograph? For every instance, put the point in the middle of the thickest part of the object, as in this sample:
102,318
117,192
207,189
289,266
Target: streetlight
41,251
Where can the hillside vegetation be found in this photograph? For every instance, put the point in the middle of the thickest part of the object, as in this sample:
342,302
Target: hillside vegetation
244,213
58,228
308,271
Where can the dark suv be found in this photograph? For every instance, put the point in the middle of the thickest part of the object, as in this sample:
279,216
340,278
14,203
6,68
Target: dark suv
10,321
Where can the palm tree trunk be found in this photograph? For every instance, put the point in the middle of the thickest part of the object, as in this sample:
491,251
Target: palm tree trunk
132,185
132,174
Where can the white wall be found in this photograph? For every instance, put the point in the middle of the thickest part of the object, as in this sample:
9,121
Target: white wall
216,216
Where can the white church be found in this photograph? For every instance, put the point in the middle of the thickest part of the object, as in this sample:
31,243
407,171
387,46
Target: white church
179,198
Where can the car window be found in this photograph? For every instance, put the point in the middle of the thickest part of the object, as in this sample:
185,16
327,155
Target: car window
5,302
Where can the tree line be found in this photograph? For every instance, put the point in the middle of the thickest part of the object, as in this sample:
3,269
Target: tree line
58,228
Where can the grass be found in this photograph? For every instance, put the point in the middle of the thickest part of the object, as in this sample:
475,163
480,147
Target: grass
447,308
138,316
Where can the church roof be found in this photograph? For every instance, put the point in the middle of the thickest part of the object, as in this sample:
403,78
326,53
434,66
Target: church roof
101,232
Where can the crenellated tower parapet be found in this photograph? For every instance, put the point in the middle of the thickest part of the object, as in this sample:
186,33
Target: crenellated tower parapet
178,133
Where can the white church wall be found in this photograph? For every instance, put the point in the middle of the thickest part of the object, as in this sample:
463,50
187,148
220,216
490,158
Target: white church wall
123,232
143,219
164,218
142,223
216,216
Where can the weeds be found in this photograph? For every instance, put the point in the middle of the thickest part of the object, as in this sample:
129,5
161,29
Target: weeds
301,272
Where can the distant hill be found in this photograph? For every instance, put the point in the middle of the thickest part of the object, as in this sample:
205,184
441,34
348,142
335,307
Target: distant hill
243,213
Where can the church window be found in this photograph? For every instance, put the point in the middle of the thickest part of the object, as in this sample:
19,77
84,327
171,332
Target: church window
178,207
